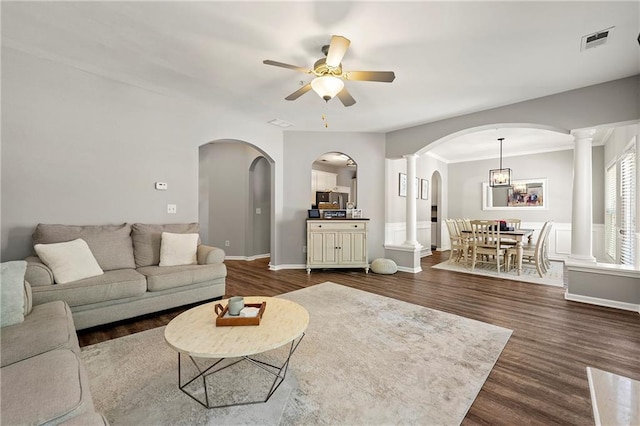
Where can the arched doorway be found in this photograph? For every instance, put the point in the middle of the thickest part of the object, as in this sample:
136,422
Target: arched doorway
235,196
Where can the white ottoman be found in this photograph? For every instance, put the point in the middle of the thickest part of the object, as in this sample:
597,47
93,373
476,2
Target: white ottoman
384,266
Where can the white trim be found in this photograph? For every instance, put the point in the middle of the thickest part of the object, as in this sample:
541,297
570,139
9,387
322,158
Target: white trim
248,258
604,269
602,302
594,402
410,270
290,266
400,247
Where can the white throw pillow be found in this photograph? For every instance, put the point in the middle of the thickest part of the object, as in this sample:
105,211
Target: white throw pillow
178,249
12,292
69,261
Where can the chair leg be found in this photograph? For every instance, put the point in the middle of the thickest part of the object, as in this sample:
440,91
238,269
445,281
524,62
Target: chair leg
473,259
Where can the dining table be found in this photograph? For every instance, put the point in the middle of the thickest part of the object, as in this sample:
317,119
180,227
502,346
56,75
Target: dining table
517,235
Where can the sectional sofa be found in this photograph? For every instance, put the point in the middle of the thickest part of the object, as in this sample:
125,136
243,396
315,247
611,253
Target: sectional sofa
43,378
130,280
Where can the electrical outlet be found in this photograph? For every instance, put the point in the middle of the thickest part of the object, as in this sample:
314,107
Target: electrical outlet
227,243
304,249
258,210
171,208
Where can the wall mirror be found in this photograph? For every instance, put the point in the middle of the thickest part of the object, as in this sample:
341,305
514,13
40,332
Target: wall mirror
529,194
334,182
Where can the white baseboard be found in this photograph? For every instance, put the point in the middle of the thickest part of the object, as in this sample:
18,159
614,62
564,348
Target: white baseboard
602,302
410,270
290,266
248,258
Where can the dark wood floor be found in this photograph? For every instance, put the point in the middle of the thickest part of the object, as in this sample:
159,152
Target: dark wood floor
540,377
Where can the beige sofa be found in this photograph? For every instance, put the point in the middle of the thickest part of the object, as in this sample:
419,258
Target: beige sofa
133,283
43,379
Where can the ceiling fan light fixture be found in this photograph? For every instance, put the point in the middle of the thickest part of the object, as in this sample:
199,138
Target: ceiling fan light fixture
327,86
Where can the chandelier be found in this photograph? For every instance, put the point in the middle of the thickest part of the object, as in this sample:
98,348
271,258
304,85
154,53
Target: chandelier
500,177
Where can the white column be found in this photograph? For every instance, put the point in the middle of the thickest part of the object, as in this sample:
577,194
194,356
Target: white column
411,227
582,212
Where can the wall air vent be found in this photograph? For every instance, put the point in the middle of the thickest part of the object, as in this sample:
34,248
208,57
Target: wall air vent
596,39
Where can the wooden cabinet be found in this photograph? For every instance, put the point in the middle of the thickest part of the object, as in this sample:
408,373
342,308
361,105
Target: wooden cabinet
336,243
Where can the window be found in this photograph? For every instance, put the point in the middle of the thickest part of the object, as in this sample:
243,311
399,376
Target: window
610,209
627,207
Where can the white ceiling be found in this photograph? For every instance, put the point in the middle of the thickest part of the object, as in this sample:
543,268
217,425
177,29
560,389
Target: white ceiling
450,58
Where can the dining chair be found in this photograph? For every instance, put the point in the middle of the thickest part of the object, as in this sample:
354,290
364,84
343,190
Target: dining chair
457,241
536,253
486,242
511,223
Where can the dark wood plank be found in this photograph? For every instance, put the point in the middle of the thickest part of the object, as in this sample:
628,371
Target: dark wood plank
540,377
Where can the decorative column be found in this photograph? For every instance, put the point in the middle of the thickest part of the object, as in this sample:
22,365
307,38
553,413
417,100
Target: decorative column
411,227
582,212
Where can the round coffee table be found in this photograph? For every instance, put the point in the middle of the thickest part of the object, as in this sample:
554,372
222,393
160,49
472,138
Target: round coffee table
194,334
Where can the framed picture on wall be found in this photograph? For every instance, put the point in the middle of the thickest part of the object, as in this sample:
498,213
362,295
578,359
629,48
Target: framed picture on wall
424,190
402,185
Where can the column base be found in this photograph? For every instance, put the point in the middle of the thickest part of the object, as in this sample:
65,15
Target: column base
582,258
407,257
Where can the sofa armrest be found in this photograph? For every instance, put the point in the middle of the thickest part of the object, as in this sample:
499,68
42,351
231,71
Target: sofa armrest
38,274
208,255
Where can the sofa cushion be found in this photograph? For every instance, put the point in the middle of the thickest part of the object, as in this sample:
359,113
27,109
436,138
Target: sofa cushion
118,284
28,298
110,244
69,261
165,277
147,239
48,388
178,249
12,292
47,327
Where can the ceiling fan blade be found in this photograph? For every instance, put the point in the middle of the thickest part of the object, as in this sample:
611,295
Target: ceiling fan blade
382,76
337,48
346,98
283,65
301,91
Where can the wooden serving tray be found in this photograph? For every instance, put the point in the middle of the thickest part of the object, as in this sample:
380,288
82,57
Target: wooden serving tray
222,321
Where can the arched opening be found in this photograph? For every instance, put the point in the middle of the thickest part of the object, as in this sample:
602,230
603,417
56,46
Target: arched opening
236,193
334,184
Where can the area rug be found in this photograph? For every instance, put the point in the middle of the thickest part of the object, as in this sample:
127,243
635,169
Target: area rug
365,359
553,276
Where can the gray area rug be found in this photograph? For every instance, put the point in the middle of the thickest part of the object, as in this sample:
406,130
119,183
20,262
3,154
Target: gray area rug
553,277
365,359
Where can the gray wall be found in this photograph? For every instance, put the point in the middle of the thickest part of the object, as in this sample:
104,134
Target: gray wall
300,150
557,167
607,103
78,148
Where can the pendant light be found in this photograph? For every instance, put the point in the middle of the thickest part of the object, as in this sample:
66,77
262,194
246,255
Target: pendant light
500,177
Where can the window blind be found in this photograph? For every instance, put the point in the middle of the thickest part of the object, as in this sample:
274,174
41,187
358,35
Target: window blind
627,208
610,212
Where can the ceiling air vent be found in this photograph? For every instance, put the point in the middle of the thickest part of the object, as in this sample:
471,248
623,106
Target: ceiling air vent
596,39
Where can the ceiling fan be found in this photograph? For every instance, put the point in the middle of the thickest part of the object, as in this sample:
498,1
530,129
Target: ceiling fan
329,74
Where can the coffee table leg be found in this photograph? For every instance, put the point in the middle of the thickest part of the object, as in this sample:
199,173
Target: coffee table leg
279,372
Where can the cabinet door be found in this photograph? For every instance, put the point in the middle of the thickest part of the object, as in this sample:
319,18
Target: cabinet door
353,248
322,247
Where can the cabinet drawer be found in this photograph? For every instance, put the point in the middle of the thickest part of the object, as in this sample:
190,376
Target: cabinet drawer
340,226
